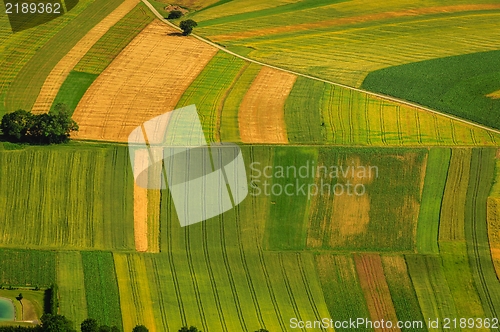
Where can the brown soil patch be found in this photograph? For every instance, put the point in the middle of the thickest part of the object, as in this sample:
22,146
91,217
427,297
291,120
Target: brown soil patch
494,95
57,76
170,8
353,20
375,288
261,116
140,205
29,312
146,79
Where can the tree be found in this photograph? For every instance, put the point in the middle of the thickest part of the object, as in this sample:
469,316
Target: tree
20,297
174,14
89,325
15,125
56,323
190,329
187,26
140,328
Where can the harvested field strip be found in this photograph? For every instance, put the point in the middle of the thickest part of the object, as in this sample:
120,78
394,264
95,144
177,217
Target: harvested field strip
429,281
137,86
135,294
61,70
209,90
402,291
103,301
27,85
293,210
70,280
115,40
430,209
27,268
229,126
374,220
262,112
451,222
19,48
82,201
458,275
375,288
343,294
73,89
476,233
303,111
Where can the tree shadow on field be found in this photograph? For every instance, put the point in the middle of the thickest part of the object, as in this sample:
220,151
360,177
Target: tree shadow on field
175,34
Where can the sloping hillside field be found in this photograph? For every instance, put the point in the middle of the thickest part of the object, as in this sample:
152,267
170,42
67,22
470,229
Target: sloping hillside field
364,212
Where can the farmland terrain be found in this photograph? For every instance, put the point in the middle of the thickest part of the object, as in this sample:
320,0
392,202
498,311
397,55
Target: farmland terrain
359,205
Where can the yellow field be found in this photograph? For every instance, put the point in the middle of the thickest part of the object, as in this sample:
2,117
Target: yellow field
261,115
147,79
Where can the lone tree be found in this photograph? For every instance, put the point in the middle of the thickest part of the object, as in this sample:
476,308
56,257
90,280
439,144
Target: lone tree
140,328
187,26
174,14
20,297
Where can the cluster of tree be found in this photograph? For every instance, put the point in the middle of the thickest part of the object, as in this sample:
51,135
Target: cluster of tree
187,26
59,323
25,127
174,14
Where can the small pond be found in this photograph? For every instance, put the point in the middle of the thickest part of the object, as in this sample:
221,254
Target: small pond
6,309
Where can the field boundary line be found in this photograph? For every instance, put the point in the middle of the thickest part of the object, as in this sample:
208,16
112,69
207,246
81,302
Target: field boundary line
378,95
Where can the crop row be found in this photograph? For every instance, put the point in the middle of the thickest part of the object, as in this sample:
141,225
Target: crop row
83,198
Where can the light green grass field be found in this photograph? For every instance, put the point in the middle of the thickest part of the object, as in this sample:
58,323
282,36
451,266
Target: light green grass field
476,233
72,196
71,283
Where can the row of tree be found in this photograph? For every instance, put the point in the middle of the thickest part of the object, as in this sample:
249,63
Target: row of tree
47,128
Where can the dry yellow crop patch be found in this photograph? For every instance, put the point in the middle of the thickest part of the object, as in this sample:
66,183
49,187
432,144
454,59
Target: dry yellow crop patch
146,79
261,116
57,76
494,95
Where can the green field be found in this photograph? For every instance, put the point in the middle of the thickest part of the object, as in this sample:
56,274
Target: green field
27,268
457,85
476,233
83,193
436,172
101,288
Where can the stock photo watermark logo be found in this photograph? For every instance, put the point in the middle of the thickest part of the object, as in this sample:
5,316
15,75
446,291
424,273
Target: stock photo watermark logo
204,180
310,179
